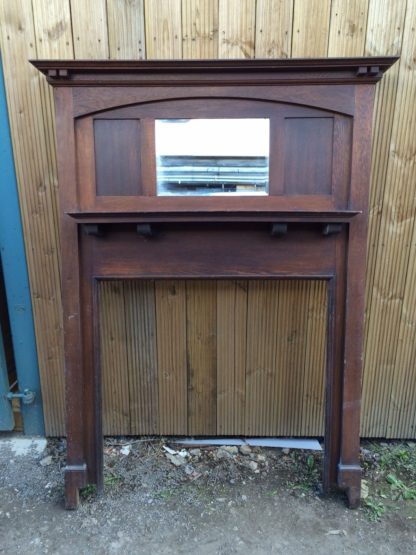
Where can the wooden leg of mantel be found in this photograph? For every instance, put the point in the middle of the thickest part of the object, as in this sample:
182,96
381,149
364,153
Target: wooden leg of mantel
93,443
75,478
71,496
335,333
354,497
349,479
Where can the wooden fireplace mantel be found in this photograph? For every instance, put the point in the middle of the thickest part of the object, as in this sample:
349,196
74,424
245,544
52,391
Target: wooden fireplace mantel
311,224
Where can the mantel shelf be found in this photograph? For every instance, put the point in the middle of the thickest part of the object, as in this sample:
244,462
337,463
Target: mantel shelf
199,72
339,216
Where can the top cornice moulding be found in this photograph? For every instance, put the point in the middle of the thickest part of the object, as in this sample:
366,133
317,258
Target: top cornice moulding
217,72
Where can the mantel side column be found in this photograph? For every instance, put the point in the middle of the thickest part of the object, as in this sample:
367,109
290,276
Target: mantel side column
76,467
349,470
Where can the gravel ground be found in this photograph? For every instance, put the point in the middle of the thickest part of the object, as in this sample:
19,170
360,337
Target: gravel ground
210,501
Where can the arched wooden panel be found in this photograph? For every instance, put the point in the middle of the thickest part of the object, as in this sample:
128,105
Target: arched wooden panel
309,152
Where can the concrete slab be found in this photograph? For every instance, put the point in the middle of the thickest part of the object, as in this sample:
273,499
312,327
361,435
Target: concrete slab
23,446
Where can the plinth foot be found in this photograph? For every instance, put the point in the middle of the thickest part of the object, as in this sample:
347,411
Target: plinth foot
75,478
349,479
354,496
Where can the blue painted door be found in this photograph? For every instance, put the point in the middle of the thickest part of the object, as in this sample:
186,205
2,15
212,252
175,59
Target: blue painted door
13,261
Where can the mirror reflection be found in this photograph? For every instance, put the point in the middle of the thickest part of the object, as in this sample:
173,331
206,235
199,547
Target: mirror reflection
212,156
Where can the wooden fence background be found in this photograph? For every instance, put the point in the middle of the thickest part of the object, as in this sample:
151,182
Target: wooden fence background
134,29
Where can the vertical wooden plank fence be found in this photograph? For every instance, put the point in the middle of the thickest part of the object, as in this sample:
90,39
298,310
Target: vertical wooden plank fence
141,392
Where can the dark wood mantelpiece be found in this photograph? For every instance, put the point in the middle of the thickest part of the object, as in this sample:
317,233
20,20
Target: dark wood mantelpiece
342,216
311,224
203,72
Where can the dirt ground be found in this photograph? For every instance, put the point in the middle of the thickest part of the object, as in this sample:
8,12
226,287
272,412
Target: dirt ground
206,501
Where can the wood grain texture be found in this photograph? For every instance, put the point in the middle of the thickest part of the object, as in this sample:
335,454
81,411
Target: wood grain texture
113,352
89,27
231,356
310,28
291,342
401,418
125,22
172,356
392,278
262,370
36,178
213,357
201,347
141,337
309,139
117,166
279,338
348,26
384,32
313,399
53,29
163,27
53,33
273,28
200,29
236,28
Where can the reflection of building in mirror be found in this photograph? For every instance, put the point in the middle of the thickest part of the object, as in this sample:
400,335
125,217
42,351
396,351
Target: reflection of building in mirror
212,156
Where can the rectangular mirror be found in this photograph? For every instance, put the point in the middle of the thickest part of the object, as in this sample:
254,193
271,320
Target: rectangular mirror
212,156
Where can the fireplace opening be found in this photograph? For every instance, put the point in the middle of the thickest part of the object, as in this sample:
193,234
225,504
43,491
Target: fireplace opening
213,357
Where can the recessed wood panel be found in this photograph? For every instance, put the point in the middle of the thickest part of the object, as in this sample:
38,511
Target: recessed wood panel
308,145
117,157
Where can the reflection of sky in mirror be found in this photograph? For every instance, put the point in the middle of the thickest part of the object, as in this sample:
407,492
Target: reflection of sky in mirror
213,137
